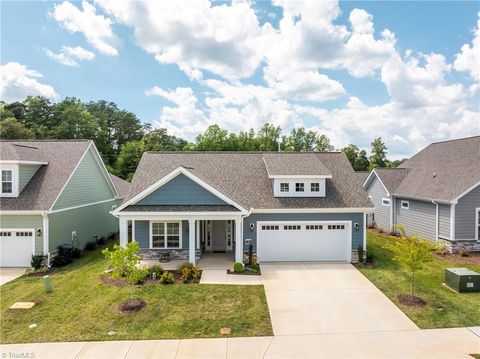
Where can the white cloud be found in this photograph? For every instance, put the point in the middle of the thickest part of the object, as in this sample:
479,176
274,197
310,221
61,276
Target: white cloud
17,82
70,55
97,29
361,21
468,60
194,34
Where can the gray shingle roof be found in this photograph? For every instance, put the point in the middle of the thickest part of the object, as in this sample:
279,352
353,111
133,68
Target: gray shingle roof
122,186
294,164
42,190
442,170
242,177
391,177
362,176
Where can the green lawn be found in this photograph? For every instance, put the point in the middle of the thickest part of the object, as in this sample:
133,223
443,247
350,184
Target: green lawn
444,308
82,307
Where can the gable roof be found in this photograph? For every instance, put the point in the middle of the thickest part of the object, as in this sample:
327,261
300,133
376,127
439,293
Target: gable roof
294,164
46,185
390,177
122,186
243,178
362,176
442,171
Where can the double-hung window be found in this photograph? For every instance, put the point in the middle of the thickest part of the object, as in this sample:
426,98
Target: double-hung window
7,181
165,235
299,187
284,187
314,187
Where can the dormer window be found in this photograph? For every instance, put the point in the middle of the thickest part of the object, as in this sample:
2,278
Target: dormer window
299,187
314,187
284,187
7,181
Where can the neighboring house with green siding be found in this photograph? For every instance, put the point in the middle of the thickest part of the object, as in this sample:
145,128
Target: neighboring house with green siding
53,192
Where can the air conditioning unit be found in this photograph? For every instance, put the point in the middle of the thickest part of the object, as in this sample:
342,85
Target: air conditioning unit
462,280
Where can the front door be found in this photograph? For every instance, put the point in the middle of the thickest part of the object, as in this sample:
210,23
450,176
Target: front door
219,232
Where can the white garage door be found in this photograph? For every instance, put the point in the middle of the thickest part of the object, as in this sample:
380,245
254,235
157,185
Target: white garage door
16,247
304,241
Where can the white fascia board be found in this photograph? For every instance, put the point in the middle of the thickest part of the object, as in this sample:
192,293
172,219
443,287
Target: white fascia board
22,213
162,181
422,199
15,162
299,176
368,178
313,210
385,188
455,200
82,205
104,170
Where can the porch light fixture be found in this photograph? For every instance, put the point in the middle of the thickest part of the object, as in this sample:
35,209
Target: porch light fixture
252,226
356,226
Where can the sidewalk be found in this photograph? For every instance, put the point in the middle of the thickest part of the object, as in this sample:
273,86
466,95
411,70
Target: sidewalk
432,343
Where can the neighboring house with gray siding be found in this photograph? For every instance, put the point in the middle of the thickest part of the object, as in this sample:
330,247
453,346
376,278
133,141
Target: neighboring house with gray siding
53,192
435,194
287,206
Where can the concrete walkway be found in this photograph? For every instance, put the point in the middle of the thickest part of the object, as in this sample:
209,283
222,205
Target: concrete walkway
220,276
9,274
435,343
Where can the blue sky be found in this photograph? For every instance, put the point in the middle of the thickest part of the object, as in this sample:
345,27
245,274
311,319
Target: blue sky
323,65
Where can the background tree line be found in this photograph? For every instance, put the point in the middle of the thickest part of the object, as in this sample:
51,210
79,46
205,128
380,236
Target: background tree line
121,137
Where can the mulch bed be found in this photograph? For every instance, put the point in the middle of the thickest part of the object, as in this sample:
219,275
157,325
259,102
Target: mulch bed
117,282
245,272
132,306
414,301
149,281
379,232
473,258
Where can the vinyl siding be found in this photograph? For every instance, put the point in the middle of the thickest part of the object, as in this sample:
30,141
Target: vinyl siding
357,236
381,212
25,174
419,219
25,222
87,185
87,221
465,214
181,190
444,221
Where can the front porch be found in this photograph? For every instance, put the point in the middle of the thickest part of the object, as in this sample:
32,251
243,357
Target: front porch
210,241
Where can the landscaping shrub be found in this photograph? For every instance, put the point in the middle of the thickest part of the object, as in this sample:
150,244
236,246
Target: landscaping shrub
360,254
101,241
186,275
441,248
167,278
464,251
183,265
238,267
111,236
37,261
90,246
122,260
60,261
250,254
138,275
76,252
370,257
196,275
155,271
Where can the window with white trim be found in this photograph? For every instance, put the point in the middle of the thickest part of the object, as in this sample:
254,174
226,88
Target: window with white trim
314,187
405,204
165,235
386,202
7,181
284,187
299,187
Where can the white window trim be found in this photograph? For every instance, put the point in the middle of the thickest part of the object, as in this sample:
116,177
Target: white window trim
405,202
15,180
385,199
166,239
477,234
316,184
288,187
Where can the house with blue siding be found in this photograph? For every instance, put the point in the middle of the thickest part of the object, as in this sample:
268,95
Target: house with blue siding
435,194
53,192
285,206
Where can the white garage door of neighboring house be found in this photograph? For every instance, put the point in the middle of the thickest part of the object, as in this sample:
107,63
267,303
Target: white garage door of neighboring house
16,247
304,241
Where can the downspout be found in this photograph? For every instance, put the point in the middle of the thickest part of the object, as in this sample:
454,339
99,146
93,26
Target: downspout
436,220
46,251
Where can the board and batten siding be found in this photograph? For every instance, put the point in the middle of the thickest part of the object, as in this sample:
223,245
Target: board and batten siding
87,185
465,214
142,234
357,236
381,212
25,174
181,190
419,218
86,221
17,221
444,221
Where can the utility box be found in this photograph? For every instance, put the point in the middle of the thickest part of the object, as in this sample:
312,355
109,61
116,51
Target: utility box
462,280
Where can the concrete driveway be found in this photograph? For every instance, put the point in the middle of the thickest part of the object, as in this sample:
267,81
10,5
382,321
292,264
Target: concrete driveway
9,274
327,298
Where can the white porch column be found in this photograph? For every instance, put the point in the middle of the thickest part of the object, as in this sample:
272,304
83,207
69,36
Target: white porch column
238,240
191,241
123,226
